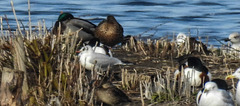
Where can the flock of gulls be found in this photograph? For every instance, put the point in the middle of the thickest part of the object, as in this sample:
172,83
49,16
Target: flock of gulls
96,55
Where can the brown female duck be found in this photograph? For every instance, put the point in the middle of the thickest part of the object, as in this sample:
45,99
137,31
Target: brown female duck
111,95
109,31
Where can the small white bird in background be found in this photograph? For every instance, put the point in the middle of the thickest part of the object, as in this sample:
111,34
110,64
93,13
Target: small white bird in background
236,74
90,59
181,38
213,96
234,38
192,43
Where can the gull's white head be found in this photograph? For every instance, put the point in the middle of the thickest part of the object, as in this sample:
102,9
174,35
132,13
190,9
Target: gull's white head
181,37
210,86
85,49
236,74
234,37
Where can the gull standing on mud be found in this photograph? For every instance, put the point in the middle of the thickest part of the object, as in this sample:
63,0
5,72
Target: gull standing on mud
236,74
211,95
69,24
194,71
90,59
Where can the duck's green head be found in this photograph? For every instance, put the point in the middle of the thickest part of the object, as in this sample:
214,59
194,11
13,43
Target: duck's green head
65,16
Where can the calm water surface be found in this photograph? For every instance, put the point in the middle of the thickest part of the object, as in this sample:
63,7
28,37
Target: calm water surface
212,18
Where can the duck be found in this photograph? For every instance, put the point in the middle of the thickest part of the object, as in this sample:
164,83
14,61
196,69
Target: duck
234,38
71,24
111,95
211,95
91,60
236,74
99,47
109,31
193,70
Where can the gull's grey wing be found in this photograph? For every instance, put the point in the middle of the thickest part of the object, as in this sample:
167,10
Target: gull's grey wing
104,60
227,97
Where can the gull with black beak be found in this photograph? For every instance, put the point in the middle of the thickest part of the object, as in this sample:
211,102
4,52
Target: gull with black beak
97,61
234,38
236,74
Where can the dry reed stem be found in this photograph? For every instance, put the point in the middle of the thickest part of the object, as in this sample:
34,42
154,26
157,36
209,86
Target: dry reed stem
169,84
66,57
1,26
40,29
141,92
18,25
19,63
29,36
141,47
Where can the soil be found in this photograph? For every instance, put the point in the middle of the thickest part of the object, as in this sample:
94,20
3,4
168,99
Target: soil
219,67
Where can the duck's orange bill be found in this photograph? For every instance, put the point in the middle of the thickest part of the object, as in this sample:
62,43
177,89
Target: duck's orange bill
78,51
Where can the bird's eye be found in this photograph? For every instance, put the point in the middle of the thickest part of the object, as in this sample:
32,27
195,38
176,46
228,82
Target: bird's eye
236,37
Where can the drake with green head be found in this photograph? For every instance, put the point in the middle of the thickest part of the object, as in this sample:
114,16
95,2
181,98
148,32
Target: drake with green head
109,31
70,24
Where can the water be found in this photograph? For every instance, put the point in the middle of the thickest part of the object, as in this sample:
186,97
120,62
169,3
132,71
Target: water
215,18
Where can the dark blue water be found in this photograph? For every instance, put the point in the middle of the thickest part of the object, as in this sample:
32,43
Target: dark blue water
212,18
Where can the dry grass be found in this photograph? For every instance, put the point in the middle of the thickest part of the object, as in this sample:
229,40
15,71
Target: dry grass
54,75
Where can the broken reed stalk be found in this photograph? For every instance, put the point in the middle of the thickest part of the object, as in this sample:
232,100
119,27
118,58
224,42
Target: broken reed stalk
157,48
148,89
60,75
80,82
40,30
9,29
169,85
133,44
1,26
44,28
11,87
123,78
29,36
19,63
141,47
141,92
18,25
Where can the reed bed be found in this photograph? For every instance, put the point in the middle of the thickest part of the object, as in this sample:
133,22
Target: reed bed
54,75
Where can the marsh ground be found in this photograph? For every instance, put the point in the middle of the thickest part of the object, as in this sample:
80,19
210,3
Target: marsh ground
219,66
